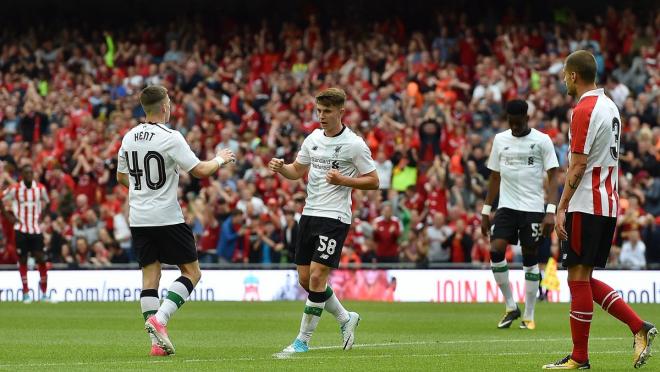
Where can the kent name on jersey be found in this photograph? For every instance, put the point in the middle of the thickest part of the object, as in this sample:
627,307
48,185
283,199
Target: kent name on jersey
152,154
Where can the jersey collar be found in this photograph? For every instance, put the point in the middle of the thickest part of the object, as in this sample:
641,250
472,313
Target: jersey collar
593,93
343,128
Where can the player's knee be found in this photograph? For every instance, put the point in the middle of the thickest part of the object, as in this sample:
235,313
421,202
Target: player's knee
530,257
318,280
498,245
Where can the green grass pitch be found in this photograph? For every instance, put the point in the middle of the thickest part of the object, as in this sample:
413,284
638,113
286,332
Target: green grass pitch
244,336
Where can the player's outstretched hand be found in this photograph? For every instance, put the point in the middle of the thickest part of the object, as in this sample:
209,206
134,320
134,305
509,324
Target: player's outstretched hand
559,225
548,224
228,155
334,177
275,165
485,225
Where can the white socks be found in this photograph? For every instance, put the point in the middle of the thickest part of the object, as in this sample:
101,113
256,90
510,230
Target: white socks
310,319
532,278
149,304
176,297
501,274
334,307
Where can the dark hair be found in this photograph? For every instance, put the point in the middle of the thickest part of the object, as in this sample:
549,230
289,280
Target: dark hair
516,107
583,64
236,212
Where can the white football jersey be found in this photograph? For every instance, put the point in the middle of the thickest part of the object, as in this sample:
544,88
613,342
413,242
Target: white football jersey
152,154
522,163
346,152
595,131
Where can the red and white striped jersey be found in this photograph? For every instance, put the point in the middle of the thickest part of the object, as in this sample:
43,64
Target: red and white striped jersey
27,205
595,129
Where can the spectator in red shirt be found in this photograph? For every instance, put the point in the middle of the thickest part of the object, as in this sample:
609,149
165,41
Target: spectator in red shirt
387,230
460,244
210,236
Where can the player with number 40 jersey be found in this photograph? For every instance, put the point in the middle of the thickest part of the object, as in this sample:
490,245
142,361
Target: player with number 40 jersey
150,158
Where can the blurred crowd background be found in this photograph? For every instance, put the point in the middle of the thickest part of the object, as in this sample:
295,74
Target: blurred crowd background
427,96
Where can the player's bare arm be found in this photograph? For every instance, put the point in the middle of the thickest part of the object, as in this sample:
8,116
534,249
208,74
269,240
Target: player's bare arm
548,223
493,190
367,181
576,168
122,179
207,168
293,171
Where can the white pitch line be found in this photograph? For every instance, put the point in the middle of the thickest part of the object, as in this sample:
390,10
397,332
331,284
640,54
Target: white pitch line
453,342
325,356
435,355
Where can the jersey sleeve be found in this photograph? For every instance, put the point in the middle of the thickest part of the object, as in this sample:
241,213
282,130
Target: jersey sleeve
362,157
582,133
181,153
549,155
122,165
494,158
303,155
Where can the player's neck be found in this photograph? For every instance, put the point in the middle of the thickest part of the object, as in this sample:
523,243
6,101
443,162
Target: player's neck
27,184
522,133
334,132
153,119
581,90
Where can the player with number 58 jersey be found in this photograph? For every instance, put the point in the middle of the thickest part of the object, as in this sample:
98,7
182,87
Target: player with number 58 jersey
336,161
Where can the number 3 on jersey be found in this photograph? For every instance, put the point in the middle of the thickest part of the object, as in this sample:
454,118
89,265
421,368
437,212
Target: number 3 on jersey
616,130
327,245
151,160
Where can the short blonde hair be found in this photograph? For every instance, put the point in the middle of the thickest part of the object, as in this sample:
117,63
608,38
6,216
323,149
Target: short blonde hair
152,97
334,97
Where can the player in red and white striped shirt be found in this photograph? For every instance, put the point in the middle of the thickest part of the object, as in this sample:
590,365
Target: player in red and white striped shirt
29,199
588,208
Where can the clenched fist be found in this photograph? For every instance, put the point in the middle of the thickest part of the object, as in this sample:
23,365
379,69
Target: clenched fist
334,177
275,165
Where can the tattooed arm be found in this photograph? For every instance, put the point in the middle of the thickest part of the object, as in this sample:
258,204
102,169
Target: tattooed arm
576,168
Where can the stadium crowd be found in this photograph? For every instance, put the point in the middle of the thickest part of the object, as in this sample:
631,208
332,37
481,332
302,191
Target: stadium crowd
427,103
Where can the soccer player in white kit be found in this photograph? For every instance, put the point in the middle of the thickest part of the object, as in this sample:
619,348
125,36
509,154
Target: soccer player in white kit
587,212
519,160
149,161
338,161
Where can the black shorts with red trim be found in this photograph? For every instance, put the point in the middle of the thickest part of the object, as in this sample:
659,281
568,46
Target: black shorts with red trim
589,239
